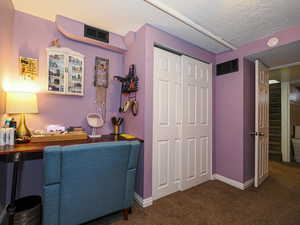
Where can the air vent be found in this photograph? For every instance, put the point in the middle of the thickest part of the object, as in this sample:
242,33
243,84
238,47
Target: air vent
96,34
228,67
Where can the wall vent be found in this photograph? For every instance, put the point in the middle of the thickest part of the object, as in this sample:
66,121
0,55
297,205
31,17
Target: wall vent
228,67
96,34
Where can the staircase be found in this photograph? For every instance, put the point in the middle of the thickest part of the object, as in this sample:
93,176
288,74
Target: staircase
275,122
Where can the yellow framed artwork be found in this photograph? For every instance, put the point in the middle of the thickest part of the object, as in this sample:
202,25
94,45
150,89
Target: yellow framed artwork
28,68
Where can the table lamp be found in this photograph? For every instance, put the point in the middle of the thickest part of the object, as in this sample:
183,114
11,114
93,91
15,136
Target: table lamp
21,103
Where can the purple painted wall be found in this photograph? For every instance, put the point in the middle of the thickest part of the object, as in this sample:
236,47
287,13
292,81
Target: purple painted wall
6,25
249,119
233,95
32,35
6,34
135,125
141,53
229,124
234,105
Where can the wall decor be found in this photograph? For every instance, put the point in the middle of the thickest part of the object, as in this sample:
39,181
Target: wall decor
101,82
28,68
65,71
101,72
129,89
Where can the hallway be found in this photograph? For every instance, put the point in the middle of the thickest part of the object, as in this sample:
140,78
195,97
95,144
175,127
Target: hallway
276,202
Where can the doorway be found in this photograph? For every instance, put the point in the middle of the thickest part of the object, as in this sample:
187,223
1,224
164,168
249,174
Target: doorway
182,122
286,80
281,65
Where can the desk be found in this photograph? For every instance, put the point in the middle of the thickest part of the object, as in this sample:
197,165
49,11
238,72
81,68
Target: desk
31,151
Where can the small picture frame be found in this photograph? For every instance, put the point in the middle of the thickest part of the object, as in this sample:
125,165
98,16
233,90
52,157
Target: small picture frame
101,72
28,68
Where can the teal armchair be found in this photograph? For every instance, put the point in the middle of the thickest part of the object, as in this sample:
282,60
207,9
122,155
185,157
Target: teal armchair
85,182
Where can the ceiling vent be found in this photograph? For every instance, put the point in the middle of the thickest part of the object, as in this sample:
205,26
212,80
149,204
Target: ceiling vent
96,34
228,67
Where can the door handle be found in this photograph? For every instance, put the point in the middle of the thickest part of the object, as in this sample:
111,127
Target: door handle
254,133
261,134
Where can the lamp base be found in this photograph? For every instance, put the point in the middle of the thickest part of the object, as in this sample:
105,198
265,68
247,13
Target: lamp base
22,131
23,140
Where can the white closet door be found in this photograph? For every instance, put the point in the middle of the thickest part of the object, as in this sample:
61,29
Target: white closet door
167,123
197,122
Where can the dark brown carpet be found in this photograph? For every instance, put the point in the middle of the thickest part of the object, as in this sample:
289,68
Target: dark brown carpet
276,202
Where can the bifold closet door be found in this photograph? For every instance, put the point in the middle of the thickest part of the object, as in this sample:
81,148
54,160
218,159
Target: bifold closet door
197,122
182,123
167,123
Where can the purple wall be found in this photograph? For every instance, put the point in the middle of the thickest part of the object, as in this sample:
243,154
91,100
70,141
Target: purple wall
32,35
141,53
6,34
6,25
135,125
233,94
234,109
249,119
229,124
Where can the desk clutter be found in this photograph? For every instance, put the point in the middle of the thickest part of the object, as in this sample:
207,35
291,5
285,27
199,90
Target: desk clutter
59,133
66,136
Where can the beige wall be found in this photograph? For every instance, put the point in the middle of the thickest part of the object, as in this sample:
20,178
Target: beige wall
295,105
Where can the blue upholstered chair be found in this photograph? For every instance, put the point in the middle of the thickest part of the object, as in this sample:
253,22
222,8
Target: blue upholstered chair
85,182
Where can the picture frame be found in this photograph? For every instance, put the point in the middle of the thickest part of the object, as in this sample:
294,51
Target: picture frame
101,72
28,68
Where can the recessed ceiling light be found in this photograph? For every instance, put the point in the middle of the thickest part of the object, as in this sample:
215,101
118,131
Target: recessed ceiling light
274,81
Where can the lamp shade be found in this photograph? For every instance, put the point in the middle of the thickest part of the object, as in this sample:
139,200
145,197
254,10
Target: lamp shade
17,102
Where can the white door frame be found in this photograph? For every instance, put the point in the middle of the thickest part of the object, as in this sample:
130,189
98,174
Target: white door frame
285,122
155,131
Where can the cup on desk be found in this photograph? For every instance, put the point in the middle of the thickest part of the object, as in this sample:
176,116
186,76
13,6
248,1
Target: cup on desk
116,129
7,136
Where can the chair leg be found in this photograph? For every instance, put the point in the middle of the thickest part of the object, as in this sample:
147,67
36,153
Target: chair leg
125,213
130,210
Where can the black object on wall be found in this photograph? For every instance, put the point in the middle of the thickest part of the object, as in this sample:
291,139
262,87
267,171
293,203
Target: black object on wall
228,67
96,34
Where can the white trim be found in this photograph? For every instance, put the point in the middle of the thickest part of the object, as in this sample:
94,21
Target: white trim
285,65
143,202
177,15
248,183
285,121
234,183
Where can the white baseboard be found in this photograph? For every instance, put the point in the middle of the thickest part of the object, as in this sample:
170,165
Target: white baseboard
234,183
248,183
143,202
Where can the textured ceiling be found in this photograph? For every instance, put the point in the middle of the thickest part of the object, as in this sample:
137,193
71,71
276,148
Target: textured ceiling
237,21
279,56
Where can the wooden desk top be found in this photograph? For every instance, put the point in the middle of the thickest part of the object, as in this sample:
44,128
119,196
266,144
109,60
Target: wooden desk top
32,151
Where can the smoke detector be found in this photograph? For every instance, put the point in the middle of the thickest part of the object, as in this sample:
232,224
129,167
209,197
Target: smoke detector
273,42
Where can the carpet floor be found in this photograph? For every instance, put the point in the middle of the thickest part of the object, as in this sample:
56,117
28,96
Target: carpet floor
276,202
